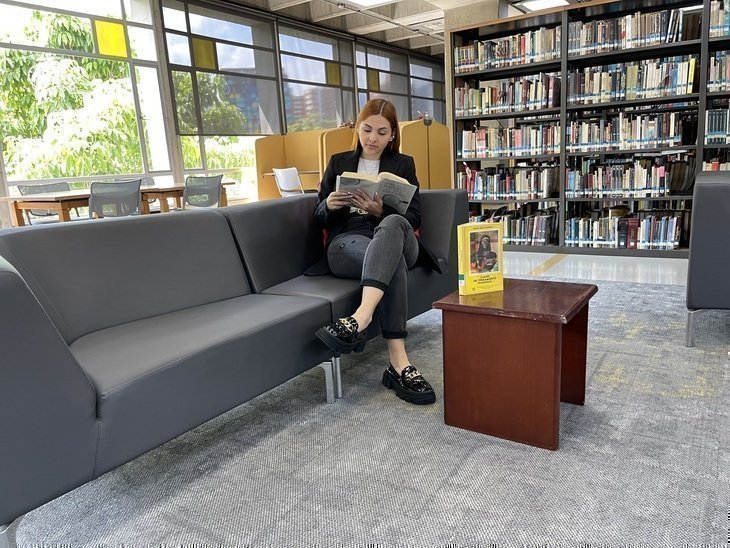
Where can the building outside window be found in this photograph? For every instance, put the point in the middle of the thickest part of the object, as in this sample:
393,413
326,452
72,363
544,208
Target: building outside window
224,87
317,78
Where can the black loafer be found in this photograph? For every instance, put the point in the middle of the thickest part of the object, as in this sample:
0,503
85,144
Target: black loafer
409,385
342,336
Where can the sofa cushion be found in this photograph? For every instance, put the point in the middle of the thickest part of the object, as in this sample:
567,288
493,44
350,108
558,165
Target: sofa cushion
90,275
161,376
343,295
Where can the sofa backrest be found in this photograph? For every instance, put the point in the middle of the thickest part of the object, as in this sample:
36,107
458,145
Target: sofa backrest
709,252
439,209
277,238
90,275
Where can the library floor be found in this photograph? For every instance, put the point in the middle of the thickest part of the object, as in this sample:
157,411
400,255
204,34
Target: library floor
597,267
639,465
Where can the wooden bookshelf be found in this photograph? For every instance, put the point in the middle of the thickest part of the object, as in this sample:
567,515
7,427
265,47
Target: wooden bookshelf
621,103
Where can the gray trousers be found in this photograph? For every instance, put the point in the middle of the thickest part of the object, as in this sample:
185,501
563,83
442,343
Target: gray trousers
381,262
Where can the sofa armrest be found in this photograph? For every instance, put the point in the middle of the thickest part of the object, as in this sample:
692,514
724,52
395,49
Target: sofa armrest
47,404
441,212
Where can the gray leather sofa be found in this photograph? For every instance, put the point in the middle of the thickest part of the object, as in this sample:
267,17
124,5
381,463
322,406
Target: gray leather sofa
118,335
709,251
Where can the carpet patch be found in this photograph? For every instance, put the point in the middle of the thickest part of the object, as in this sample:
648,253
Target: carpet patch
644,462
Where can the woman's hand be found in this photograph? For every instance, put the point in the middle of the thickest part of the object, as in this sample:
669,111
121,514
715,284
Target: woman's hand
362,201
338,200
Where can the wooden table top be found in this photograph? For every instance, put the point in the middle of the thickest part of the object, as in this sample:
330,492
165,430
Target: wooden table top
48,196
82,194
540,300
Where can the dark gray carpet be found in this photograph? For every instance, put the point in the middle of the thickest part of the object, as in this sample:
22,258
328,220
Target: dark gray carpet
644,462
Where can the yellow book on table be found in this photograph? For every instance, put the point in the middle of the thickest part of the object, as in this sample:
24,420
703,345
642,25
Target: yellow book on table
480,258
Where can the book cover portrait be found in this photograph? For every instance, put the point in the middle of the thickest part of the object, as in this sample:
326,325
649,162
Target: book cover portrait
480,258
483,258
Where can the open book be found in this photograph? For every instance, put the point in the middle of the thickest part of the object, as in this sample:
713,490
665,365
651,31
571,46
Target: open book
395,191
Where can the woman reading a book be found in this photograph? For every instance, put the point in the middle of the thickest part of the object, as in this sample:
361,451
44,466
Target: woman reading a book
371,241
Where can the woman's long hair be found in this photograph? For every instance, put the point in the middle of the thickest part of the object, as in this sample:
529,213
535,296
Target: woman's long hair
385,109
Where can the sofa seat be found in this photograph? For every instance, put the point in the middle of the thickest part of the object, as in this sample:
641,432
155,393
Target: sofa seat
161,376
343,295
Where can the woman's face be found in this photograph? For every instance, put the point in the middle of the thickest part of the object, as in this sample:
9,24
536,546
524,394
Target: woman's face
374,133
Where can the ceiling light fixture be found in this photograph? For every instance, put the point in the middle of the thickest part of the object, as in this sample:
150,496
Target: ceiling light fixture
537,5
369,3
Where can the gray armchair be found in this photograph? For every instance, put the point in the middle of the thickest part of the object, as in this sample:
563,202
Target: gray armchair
116,199
202,191
709,251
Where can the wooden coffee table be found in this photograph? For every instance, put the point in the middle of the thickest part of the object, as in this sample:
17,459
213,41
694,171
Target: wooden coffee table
511,357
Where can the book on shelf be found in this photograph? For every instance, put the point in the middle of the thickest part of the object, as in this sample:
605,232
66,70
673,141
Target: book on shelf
622,232
395,191
632,238
480,257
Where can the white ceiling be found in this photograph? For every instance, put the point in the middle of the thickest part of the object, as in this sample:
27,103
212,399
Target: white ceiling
416,25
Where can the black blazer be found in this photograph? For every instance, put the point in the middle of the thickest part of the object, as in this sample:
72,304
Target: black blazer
336,221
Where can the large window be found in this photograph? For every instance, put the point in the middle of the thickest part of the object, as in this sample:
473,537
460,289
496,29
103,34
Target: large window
427,90
383,74
414,85
224,85
79,90
81,96
317,78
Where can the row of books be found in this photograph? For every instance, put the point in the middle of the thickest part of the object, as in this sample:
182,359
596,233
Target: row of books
639,179
634,80
632,132
509,183
536,229
634,30
715,164
513,95
719,19
533,223
654,231
530,140
718,77
717,126
532,46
